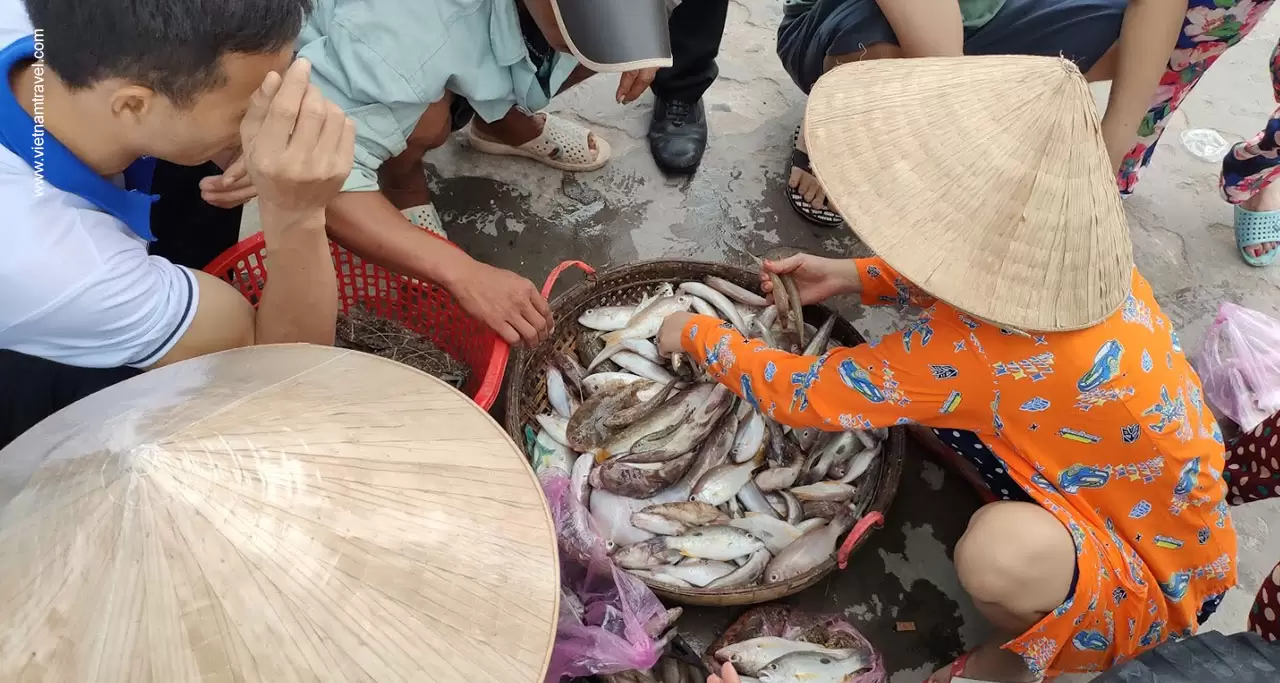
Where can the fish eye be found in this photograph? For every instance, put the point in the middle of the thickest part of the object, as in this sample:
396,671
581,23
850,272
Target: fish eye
824,660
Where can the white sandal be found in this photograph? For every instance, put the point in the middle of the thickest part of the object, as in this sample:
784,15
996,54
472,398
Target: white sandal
425,216
563,145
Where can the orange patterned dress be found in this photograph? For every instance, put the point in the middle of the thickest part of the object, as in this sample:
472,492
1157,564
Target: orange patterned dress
1106,428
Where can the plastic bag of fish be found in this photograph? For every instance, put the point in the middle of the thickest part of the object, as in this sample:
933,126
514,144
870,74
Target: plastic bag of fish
776,643
609,621
689,485
679,664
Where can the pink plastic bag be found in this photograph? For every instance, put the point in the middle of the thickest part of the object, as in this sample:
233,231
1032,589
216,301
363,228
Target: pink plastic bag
1240,365
603,611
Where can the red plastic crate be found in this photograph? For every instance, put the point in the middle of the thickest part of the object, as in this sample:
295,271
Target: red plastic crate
424,308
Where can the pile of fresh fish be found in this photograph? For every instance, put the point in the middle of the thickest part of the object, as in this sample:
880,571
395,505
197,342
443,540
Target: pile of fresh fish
775,643
689,486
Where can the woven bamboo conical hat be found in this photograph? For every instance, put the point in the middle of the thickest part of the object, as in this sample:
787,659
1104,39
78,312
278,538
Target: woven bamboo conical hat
983,180
285,514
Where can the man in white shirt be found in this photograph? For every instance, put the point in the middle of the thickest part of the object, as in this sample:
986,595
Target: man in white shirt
97,93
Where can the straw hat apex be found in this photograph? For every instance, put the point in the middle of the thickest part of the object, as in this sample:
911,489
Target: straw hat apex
983,180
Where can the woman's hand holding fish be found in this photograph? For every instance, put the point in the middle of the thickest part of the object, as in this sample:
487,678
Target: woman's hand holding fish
727,675
669,334
817,278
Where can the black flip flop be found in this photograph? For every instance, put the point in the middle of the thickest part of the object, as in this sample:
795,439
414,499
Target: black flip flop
821,217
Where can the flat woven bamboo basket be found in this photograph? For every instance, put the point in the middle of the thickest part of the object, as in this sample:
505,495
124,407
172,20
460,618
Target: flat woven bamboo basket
527,397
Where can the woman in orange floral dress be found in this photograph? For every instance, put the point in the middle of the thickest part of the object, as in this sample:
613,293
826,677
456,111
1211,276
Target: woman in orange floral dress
1040,351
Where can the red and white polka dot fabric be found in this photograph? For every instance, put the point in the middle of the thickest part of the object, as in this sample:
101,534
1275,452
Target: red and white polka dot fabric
1253,464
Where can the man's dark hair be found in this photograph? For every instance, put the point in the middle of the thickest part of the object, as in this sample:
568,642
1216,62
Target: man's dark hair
170,46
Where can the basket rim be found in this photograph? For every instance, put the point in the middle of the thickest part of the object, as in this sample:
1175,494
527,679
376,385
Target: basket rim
890,468
490,383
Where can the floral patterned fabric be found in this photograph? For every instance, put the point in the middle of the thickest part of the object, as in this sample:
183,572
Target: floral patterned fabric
1253,164
1211,27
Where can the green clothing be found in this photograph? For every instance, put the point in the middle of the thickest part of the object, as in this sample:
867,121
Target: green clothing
976,13
385,61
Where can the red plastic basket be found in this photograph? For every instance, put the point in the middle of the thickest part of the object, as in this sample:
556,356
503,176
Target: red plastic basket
424,308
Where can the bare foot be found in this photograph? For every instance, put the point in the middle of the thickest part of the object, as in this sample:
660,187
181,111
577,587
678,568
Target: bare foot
990,663
1266,200
518,128
804,182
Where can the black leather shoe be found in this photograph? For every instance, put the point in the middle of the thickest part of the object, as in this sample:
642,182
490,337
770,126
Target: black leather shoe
678,135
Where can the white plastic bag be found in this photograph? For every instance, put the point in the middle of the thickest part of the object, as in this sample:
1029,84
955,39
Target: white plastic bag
1240,365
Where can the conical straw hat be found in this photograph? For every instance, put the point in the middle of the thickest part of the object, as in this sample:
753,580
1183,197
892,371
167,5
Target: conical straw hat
284,514
983,180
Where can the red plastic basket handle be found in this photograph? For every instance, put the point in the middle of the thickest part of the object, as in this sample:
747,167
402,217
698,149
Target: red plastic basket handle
872,519
558,270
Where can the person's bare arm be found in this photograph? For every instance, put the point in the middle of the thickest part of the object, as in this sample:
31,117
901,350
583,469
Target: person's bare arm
298,149
369,225
1147,37
926,28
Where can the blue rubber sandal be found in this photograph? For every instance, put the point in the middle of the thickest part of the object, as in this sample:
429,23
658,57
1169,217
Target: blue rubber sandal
1254,228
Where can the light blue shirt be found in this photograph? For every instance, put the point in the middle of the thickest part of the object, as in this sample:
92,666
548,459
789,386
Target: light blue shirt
385,61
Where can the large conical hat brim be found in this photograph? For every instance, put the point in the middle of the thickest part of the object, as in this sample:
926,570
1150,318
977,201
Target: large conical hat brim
983,180
282,514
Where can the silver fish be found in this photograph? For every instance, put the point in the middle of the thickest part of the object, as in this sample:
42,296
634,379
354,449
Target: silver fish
818,343
753,499
747,574
810,550
715,543
836,448
607,318
558,393
671,670
602,380
811,523
641,347
734,508
868,439
795,510
648,321
749,440
813,667
664,526
550,454
775,533
779,477
734,292
578,480
806,438
666,418
701,307
694,430
720,301
758,329
697,572
767,317
554,426
646,554
572,370
639,481
824,490
690,513
642,366
612,515
777,502
750,657
663,579
721,483
860,464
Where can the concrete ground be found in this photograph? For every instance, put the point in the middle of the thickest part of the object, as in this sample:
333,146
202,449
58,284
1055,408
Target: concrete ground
526,217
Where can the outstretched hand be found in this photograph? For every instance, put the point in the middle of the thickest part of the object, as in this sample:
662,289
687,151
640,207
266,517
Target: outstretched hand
817,278
727,675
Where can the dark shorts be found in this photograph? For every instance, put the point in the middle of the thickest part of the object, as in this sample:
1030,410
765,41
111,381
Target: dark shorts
188,232
1080,30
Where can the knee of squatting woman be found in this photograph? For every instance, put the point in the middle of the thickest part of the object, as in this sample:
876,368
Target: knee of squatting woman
1039,345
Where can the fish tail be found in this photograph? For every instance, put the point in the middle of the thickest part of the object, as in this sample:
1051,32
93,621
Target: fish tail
611,338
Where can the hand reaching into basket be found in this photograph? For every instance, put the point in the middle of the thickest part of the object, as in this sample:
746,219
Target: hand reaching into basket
298,146
727,675
817,278
509,304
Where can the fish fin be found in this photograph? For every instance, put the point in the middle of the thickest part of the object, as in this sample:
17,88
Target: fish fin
602,455
611,338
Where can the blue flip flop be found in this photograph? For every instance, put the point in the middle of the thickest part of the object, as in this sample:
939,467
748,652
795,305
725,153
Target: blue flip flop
1254,228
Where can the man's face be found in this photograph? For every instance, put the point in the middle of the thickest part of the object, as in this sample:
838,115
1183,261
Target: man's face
192,134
